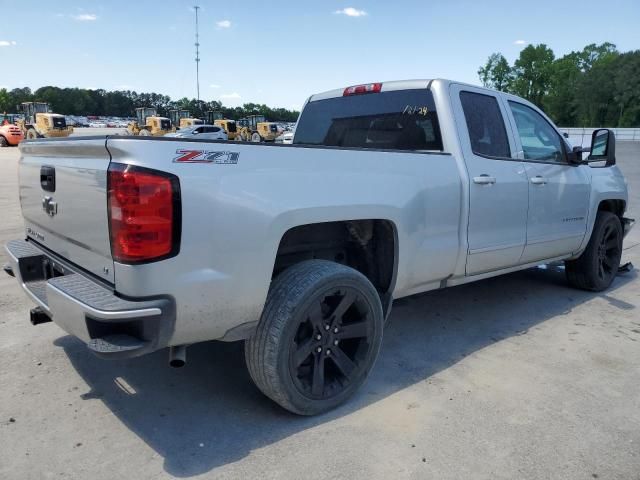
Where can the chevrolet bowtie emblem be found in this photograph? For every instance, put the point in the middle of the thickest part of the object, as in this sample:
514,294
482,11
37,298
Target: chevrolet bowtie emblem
49,206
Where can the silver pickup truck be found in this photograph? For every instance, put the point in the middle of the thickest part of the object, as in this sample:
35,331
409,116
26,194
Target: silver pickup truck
134,244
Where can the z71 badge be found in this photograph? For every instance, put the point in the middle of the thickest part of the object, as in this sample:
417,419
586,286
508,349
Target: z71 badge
205,156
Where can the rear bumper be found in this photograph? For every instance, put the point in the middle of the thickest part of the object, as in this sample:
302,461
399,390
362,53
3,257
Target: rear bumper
111,326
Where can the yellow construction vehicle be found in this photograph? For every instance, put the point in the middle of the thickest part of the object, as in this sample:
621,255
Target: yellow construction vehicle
182,118
39,122
229,126
255,128
211,116
148,123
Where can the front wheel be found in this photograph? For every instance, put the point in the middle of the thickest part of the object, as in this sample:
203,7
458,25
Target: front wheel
3,142
32,134
596,268
318,337
256,138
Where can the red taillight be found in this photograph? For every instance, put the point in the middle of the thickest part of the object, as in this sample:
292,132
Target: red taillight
360,89
144,213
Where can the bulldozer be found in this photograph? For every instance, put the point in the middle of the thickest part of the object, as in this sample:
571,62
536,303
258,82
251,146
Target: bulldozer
255,128
229,126
148,123
182,118
40,122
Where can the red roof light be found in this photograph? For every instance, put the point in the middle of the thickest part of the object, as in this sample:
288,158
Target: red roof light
362,89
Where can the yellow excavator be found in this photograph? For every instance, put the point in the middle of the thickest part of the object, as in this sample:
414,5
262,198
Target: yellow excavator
229,126
40,122
182,118
255,128
148,123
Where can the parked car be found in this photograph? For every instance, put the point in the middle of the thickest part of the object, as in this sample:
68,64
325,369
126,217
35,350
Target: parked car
286,137
202,132
388,190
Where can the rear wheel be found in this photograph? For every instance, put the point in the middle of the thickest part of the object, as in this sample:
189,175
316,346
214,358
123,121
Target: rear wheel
3,142
256,138
598,265
318,337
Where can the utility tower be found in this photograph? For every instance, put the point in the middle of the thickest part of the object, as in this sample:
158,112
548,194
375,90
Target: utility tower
196,8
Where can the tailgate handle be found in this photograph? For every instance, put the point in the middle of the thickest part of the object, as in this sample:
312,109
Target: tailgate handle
48,179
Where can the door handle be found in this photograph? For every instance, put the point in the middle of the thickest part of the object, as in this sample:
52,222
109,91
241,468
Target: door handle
538,180
484,179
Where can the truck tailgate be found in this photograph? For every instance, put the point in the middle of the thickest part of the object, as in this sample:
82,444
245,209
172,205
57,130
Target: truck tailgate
63,193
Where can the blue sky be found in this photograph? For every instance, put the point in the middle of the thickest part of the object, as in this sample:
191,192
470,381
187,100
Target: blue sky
280,51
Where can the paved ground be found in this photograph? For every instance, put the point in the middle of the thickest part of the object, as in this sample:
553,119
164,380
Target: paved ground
514,377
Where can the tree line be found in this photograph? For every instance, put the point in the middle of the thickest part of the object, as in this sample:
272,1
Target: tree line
595,87
85,102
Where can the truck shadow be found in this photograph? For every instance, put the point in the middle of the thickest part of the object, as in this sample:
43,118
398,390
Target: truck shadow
209,413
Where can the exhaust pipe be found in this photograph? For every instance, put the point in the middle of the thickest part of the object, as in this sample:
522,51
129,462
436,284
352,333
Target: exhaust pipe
178,356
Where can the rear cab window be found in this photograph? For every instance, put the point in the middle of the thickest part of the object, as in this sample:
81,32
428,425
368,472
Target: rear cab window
394,120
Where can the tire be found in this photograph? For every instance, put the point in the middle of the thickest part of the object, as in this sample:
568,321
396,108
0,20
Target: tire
256,138
596,268
3,142
144,133
322,305
31,134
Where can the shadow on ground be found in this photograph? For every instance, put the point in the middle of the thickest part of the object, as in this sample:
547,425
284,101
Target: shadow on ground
209,413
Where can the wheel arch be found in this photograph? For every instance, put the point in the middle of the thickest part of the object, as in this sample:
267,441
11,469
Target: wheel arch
367,245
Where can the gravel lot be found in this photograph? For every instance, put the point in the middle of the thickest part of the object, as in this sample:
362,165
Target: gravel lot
509,378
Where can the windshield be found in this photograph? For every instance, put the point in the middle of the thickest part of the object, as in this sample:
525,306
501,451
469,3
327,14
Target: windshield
397,120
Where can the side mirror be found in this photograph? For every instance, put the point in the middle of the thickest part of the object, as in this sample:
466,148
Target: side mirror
565,135
603,146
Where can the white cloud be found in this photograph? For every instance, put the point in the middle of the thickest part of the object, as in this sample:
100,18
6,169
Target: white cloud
224,24
520,42
124,87
230,96
8,43
351,12
85,17
213,85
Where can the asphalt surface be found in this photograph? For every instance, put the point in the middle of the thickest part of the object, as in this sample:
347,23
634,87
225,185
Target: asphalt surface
517,377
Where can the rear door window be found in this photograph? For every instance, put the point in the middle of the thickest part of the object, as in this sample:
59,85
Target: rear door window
487,133
395,120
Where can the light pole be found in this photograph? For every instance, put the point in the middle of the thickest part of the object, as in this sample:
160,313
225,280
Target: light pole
196,8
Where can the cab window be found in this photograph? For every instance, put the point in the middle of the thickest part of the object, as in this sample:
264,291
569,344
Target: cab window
539,139
487,133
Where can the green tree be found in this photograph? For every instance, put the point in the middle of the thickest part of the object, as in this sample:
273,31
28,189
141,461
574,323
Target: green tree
496,73
532,73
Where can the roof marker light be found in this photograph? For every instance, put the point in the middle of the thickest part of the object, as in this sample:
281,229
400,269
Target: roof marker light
362,89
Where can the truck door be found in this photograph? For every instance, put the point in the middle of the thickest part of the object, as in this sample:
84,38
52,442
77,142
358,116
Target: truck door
498,185
558,191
